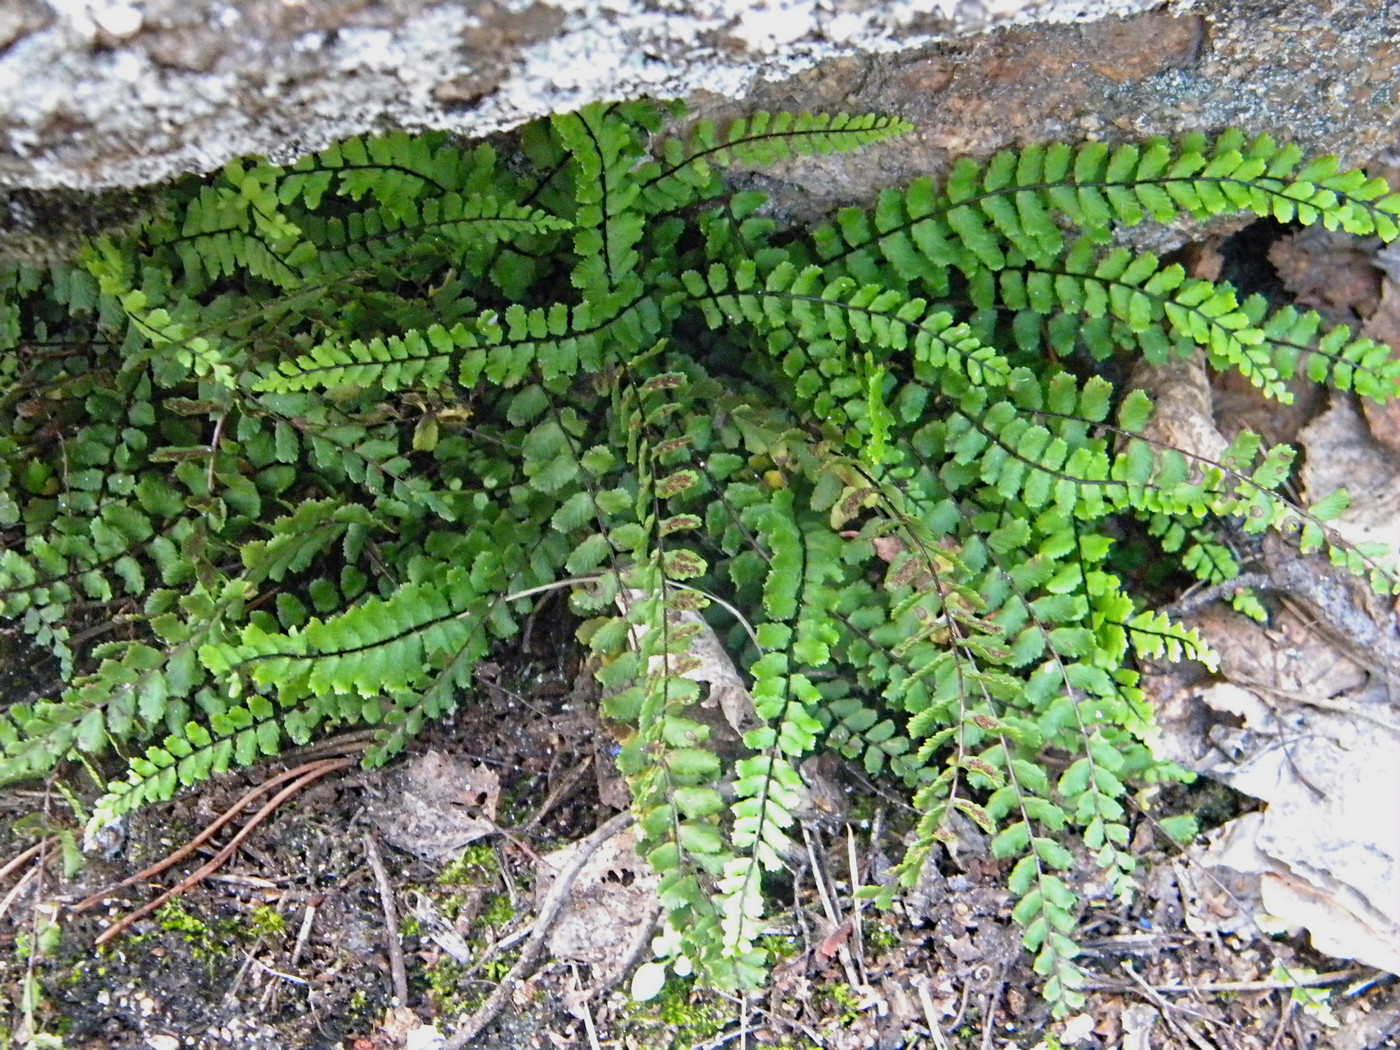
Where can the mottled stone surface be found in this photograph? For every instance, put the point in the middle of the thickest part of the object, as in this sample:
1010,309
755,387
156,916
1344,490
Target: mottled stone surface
127,92
124,93
1323,73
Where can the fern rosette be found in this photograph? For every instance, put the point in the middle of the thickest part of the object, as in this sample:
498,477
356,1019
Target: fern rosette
299,450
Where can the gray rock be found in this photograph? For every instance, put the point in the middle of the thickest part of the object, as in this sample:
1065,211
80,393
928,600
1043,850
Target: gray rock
109,94
129,92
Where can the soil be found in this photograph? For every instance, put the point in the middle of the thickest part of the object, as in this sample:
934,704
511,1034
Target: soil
287,944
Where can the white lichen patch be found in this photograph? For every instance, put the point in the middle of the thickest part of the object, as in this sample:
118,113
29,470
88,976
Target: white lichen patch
145,89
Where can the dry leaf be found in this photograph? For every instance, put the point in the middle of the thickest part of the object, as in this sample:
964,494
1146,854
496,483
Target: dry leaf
1383,326
1327,271
438,804
612,899
1341,455
705,660
1138,1022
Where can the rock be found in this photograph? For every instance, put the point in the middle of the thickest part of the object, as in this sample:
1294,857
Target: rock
127,93
130,92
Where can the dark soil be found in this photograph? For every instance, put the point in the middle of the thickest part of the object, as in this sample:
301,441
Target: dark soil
226,964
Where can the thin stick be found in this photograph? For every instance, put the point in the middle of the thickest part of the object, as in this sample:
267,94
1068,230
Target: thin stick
278,973
209,832
833,913
857,933
304,934
586,1013
1316,981
726,1037
1168,1011
1284,1012
994,1000
567,783
549,911
18,888
22,859
324,767
391,919
926,1001
214,451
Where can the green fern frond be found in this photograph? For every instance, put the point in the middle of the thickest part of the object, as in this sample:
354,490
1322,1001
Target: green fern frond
683,173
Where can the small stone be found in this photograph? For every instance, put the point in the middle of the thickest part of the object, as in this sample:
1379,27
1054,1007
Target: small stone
118,21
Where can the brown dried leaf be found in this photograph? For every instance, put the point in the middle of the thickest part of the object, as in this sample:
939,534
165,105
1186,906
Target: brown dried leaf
1341,454
1327,272
1384,327
437,804
705,660
612,899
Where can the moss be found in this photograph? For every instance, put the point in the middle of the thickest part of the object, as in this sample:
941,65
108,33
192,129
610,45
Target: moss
880,935
208,942
475,866
497,910
265,922
843,1002
681,1016
443,985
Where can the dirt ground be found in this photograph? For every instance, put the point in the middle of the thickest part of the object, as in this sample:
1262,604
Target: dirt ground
288,945
375,909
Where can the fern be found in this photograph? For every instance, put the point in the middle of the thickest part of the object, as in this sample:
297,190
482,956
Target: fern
296,453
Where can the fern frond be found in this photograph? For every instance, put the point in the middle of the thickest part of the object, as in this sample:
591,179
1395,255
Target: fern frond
608,226
683,173
1010,202
395,170
457,226
504,348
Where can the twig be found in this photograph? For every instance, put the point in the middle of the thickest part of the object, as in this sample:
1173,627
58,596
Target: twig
341,744
268,1001
726,1037
833,914
1191,601
743,1002
962,1007
989,1022
549,911
586,1014
320,770
562,790
391,919
1169,1012
304,934
1285,1012
40,907
293,978
926,1001
210,831
857,934
1316,981
214,450
18,888
22,859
